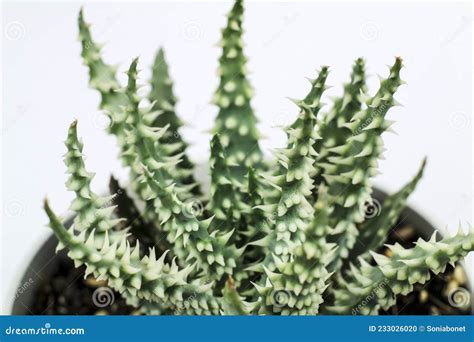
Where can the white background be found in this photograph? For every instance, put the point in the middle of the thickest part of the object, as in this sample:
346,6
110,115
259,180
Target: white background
45,86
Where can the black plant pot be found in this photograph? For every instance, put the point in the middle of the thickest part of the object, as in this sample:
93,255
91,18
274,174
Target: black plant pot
51,284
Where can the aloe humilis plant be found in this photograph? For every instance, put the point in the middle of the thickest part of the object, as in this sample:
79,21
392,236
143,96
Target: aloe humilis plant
272,237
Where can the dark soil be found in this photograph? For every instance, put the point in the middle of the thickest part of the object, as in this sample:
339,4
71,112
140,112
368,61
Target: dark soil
68,293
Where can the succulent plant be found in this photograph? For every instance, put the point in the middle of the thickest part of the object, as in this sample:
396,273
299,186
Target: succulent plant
273,236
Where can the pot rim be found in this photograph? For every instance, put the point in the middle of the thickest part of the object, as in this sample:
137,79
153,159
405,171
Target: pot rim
21,277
